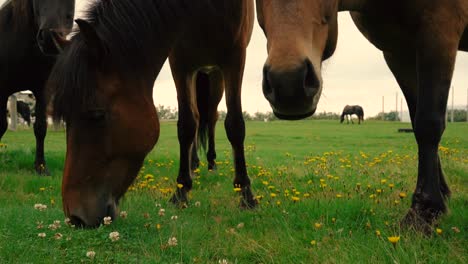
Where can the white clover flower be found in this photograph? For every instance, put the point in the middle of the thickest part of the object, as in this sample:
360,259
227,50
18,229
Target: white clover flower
67,221
157,204
174,217
41,235
40,207
240,225
123,214
172,242
197,204
162,212
114,236
107,220
58,236
90,254
223,261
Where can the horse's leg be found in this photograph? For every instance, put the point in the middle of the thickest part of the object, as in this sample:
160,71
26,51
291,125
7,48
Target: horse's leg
351,117
3,115
435,62
216,93
195,161
40,131
235,126
186,131
403,67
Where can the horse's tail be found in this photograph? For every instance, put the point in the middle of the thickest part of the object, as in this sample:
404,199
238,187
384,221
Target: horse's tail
362,113
342,116
203,95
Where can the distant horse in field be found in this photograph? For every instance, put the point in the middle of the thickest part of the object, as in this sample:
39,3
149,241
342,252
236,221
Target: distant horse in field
30,30
208,60
419,40
102,87
350,110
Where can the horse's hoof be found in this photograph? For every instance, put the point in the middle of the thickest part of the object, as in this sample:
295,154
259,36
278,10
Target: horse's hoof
416,222
248,201
42,170
179,199
212,167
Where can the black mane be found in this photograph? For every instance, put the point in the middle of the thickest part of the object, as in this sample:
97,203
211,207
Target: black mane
132,31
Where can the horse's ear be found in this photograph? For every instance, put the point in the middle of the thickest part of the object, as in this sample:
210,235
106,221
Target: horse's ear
91,38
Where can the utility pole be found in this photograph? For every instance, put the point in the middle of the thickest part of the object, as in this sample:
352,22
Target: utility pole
401,110
396,102
383,108
13,113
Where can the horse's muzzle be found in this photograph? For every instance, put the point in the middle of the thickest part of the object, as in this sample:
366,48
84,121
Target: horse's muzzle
291,93
49,41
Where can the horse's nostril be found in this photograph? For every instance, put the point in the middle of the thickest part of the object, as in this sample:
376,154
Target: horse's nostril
311,81
266,85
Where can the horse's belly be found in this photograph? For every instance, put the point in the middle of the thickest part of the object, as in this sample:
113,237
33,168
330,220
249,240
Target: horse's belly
385,34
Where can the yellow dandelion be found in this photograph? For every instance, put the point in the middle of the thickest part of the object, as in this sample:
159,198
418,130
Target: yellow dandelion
377,233
391,185
313,243
333,220
295,198
42,189
306,195
180,186
339,196
439,231
394,240
383,181
402,195
272,195
237,189
318,225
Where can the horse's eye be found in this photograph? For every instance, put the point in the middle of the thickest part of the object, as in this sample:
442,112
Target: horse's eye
325,19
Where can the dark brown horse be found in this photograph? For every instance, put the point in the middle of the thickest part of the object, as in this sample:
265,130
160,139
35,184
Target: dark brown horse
102,87
30,29
350,110
419,39
208,60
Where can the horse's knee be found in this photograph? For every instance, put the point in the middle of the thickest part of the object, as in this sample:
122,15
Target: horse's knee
235,127
428,129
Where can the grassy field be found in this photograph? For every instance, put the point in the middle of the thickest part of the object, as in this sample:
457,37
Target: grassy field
329,193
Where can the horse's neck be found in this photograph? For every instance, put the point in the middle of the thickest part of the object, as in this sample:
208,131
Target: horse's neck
352,5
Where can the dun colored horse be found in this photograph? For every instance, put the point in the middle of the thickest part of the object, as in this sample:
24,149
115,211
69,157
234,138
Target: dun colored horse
210,59
102,86
419,40
30,29
350,110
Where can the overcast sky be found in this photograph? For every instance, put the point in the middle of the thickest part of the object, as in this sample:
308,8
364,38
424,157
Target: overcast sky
356,74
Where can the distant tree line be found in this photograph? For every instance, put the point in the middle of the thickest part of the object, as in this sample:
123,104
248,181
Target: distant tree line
169,113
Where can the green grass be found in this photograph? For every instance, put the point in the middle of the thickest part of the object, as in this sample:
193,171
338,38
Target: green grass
289,159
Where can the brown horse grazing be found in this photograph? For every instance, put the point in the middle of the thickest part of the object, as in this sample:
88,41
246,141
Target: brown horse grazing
102,86
419,39
350,110
30,31
208,60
